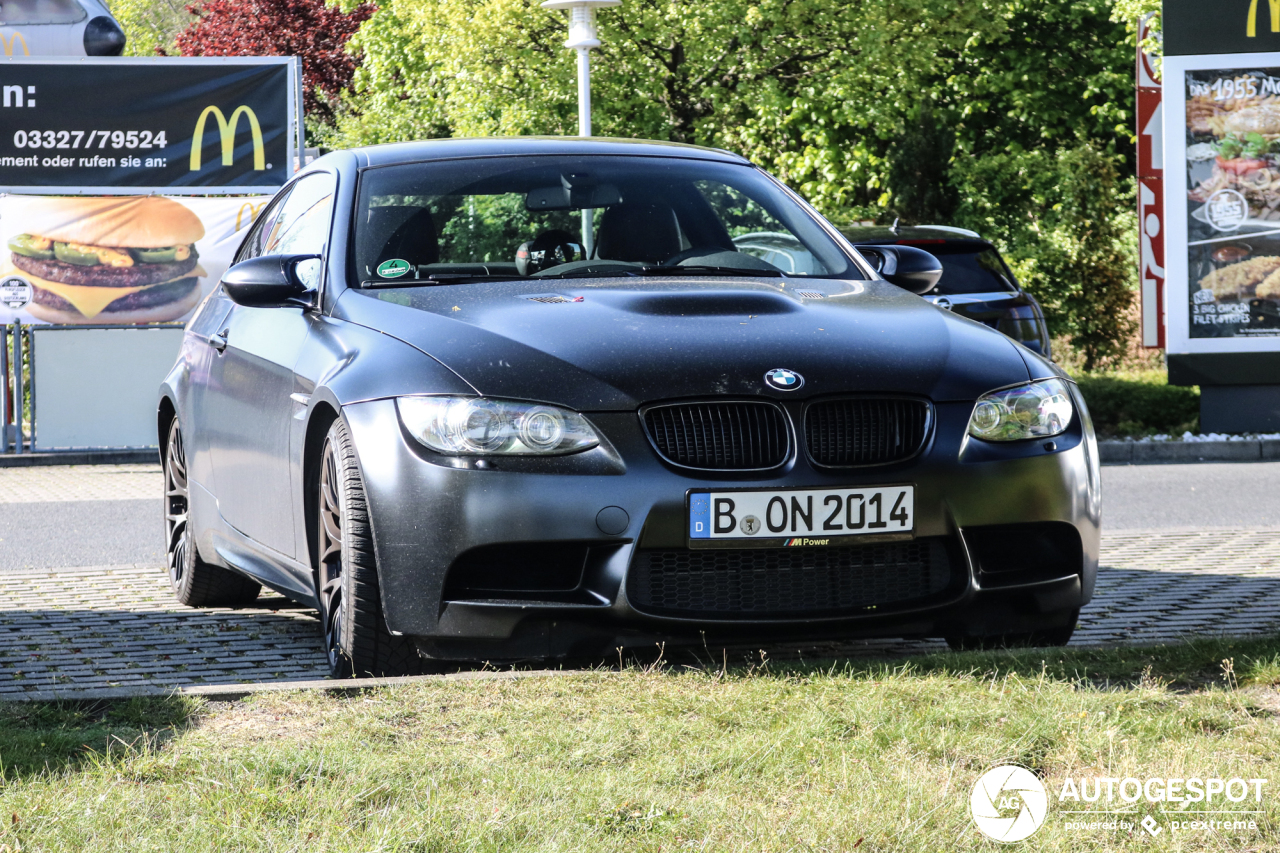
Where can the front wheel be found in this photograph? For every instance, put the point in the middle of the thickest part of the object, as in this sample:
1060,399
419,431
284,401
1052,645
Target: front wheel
356,637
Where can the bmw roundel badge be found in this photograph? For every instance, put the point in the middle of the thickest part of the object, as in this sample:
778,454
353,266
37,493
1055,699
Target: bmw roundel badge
784,380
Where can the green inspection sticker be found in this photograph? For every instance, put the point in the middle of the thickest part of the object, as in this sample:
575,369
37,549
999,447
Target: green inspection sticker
393,268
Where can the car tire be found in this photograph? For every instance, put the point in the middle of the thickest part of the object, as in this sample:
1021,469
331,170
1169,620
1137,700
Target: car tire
1043,637
356,637
195,583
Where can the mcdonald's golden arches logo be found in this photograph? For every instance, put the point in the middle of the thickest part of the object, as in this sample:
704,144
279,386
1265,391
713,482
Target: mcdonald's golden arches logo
250,208
1252,30
10,42
227,136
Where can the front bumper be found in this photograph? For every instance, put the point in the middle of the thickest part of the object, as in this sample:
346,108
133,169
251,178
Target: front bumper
438,520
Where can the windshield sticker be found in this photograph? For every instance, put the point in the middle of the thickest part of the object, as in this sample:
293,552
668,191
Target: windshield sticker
393,268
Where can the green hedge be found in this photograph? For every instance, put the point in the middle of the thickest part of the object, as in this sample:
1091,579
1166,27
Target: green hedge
1138,404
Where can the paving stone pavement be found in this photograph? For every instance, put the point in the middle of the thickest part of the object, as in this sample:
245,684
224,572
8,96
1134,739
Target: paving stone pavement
118,626
80,483
115,626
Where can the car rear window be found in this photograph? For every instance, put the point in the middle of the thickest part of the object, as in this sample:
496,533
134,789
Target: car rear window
13,12
969,270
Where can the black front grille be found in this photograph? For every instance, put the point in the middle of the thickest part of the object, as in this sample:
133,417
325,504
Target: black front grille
787,581
728,436
865,431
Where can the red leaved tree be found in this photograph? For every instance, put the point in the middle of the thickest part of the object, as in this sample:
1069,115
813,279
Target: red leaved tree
307,28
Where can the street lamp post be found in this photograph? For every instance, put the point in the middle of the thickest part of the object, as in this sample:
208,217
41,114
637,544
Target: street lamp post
583,38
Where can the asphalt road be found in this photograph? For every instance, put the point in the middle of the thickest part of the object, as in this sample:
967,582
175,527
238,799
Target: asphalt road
50,535
1135,497
1182,497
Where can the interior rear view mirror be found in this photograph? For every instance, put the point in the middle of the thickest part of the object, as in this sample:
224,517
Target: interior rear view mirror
572,198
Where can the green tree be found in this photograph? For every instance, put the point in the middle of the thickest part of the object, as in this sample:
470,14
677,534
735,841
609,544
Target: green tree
726,72
975,112
150,26
1068,223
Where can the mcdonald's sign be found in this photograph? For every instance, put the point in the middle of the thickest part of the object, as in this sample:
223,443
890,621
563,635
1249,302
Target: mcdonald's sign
250,208
1203,27
227,136
10,42
1251,26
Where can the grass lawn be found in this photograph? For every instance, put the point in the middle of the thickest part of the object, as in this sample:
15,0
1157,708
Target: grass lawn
820,757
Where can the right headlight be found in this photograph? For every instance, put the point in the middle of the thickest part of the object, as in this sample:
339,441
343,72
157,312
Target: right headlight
1036,410
480,426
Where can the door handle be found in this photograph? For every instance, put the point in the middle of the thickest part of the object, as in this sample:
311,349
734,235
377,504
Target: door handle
218,342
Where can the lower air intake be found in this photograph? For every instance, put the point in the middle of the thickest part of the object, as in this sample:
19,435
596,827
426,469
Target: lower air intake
787,581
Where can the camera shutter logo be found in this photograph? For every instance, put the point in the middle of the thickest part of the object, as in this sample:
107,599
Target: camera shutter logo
227,136
1008,803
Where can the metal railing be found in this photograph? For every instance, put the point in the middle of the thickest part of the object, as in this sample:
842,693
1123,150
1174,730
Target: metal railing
17,366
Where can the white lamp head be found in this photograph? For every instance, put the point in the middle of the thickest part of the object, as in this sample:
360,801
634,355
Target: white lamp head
582,20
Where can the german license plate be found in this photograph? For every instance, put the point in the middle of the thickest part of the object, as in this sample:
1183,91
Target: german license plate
798,517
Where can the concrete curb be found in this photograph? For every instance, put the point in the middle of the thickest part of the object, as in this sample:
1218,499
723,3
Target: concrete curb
1164,452
234,692
79,457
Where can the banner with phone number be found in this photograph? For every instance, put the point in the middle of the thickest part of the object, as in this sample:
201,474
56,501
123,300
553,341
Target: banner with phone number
121,124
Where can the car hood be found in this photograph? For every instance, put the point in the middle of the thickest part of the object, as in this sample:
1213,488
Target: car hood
614,344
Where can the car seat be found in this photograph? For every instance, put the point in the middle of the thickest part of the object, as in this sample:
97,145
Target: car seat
639,232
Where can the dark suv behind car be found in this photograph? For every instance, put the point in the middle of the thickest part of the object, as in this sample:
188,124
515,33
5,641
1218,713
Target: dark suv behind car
976,282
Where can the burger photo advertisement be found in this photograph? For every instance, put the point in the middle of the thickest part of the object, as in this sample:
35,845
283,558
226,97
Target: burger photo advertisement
1232,166
109,260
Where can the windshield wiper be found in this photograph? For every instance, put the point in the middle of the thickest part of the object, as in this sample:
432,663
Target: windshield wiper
438,279
706,269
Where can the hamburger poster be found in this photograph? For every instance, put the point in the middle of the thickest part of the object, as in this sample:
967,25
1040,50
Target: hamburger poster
1232,162
131,260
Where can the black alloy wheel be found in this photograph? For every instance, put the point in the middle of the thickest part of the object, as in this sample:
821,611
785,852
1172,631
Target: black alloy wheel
329,575
195,583
356,639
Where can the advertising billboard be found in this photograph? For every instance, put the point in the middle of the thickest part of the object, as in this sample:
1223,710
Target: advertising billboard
135,260
1221,105
181,125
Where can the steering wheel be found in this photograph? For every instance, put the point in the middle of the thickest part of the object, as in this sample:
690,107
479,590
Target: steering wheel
548,249
694,252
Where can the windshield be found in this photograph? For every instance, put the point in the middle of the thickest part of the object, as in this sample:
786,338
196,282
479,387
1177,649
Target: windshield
563,216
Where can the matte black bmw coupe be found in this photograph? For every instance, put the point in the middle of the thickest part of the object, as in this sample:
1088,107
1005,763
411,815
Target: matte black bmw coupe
525,398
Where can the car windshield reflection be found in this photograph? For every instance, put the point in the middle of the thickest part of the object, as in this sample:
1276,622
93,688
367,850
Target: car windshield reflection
488,219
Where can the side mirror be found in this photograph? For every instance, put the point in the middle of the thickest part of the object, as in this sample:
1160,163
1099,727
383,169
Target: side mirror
269,281
906,266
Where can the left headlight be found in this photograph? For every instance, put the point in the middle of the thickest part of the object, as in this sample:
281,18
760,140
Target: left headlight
478,426
1035,410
